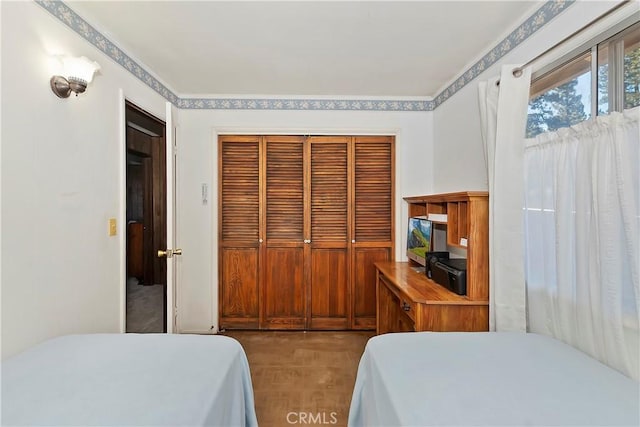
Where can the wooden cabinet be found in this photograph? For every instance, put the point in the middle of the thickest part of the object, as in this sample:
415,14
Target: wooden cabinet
302,221
408,300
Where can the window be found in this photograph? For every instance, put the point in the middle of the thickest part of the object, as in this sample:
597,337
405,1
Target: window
580,200
561,98
632,69
564,96
619,71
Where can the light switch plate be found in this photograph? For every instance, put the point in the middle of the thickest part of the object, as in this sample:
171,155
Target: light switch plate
205,194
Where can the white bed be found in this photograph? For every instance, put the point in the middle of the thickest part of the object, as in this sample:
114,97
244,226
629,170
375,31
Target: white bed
490,379
129,379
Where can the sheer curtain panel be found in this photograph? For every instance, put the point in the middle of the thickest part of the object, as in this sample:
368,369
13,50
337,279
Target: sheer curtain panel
582,220
503,115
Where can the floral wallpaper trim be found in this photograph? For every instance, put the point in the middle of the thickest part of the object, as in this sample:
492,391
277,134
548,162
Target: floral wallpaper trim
543,15
70,18
304,104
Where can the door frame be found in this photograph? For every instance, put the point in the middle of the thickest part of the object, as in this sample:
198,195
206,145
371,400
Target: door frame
122,183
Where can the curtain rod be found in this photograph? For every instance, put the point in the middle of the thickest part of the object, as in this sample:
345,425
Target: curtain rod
517,72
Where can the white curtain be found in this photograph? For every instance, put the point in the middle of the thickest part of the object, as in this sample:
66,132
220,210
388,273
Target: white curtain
582,213
503,114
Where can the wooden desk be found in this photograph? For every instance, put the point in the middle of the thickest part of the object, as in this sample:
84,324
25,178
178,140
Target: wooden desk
409,301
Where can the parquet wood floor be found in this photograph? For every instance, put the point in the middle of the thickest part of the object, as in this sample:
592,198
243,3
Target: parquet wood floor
302,378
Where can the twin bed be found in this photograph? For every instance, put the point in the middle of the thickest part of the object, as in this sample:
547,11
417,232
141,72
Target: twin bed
129,379
487,379
404,379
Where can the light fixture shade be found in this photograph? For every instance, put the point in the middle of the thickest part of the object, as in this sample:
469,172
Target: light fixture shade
76,74
78,68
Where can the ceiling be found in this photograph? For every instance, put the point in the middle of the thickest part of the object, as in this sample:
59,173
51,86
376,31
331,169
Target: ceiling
332,48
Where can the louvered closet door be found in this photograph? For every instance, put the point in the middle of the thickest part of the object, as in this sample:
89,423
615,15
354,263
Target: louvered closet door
238,231
283,289
373,219
329,270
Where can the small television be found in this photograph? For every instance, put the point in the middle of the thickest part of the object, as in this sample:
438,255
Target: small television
418,239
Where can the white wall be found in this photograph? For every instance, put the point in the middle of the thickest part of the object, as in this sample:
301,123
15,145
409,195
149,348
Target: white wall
60,184
458,151
61,165
197,164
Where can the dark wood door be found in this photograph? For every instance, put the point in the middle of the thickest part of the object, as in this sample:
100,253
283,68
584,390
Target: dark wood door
373,219
329,293
139,208
239,231
135,258
159,212
283,290
146,206
150,150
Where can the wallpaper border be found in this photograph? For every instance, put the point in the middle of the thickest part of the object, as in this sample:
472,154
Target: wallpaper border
543,15
71,19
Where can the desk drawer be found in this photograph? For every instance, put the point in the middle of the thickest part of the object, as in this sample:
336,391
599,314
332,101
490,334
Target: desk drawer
406,305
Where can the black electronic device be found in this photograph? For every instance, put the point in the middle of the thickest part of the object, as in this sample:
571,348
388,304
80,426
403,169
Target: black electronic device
451,273
431,258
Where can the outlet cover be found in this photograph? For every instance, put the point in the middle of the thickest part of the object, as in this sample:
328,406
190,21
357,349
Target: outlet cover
113,227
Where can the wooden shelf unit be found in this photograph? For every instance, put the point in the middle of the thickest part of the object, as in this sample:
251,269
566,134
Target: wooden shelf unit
409,301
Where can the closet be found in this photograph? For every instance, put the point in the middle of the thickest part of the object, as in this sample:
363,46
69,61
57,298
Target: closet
301,222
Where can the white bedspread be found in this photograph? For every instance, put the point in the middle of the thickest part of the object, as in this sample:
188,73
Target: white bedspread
490,379
133,380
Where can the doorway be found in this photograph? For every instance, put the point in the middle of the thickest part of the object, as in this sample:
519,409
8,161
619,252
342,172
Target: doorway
146,228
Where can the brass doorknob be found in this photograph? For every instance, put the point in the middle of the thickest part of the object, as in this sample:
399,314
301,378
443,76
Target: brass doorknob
162,254
169,253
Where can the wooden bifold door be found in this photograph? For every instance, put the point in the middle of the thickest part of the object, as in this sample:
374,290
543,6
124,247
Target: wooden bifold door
302,220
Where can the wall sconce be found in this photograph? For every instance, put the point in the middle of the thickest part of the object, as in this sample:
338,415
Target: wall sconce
77,73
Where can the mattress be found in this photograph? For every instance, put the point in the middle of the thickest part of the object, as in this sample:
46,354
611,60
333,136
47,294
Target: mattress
129,379
487,379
